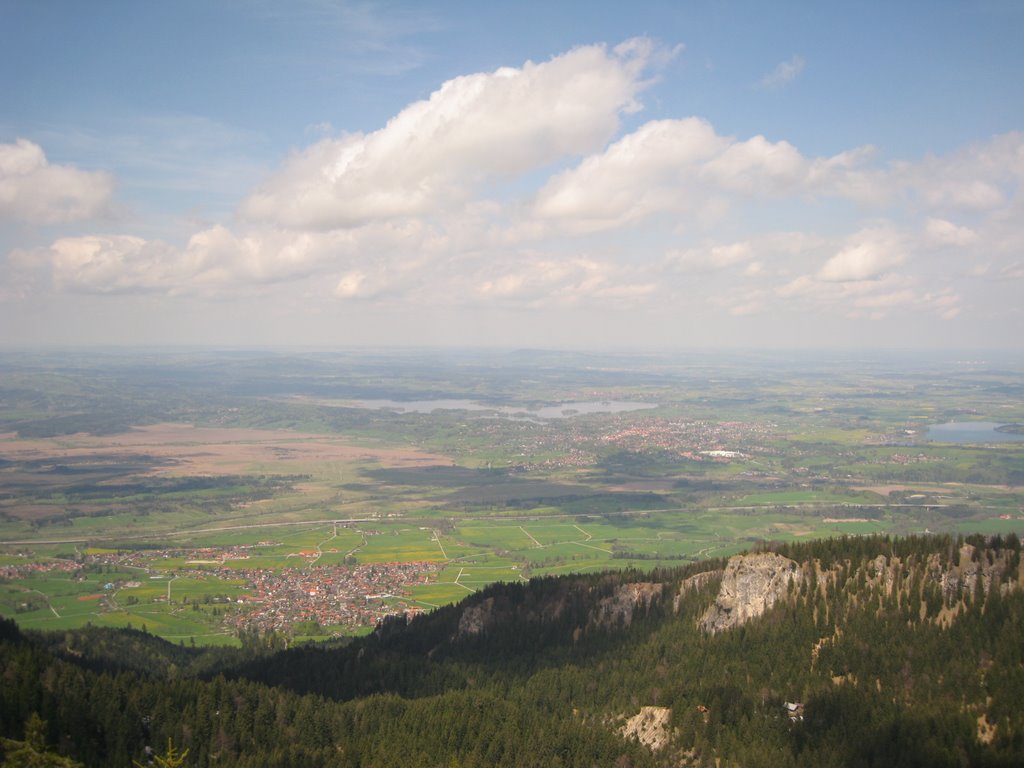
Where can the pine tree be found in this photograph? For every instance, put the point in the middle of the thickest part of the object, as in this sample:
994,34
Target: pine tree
170,758
33,753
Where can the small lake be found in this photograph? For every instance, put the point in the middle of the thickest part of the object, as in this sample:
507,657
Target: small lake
556,411
971,432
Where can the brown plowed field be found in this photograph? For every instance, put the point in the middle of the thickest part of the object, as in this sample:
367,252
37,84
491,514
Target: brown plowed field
215,450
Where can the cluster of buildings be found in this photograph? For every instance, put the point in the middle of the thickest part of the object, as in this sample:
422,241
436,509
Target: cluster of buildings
572,457
22,570
274,599
906,458
572,443
325,595
143,558
697,440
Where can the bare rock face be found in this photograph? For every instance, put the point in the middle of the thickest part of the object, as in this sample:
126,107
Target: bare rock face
650,727
476,618
751,585
974,571
617,610
695,582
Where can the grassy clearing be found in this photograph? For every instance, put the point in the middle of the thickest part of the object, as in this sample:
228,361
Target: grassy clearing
479,574
401,546
498,537
345,541
330,559
851,528
574,566
456,549
992,527
305,539
665,547
159,620
439,594
270,562
232,538
808,497
634,507
60,601
553,533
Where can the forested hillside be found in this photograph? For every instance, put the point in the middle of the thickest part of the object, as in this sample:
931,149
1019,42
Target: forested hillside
860,651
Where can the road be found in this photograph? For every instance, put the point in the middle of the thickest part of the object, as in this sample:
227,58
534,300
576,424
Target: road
329,521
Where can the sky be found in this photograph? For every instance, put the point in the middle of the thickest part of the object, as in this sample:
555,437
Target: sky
704,174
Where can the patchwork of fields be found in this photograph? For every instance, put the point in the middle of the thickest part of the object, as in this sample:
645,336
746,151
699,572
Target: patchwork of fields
312,517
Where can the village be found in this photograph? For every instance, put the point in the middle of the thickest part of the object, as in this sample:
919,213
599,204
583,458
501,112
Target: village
327,596
578,444
332,598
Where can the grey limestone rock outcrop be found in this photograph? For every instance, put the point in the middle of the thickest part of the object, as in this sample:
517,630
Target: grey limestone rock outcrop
476,618
751,585
617,610
651,727
961,581
695,582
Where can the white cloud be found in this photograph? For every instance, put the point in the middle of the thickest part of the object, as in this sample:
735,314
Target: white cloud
217,260
749,302
712,256
967,194
981,177
556,281
214,260
638,175
861,281
352,285
434,152
888,300
942,232
869,255
681,166
1014,271
420,213
757,165
35,192
784,73
379,260
874,298
110,263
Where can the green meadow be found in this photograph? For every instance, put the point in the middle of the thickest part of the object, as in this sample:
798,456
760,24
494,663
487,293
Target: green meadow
396,544
736,453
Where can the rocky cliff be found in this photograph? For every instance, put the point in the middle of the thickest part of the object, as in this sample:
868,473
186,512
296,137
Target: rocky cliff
962,580
751,585
693,583
617,610
652,727
476,618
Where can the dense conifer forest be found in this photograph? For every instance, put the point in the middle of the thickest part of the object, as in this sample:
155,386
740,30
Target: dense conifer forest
894,652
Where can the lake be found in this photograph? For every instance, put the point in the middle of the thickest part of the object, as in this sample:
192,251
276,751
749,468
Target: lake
971,432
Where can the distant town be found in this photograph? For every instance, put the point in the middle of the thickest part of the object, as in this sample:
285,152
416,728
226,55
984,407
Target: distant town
344,596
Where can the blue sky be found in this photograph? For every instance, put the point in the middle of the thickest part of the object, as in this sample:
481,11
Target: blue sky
682,174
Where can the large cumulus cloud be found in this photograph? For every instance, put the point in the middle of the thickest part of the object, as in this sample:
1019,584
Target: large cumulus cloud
520,188
474,127
33,191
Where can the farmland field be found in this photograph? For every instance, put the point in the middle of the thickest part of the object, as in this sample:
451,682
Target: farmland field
267,494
